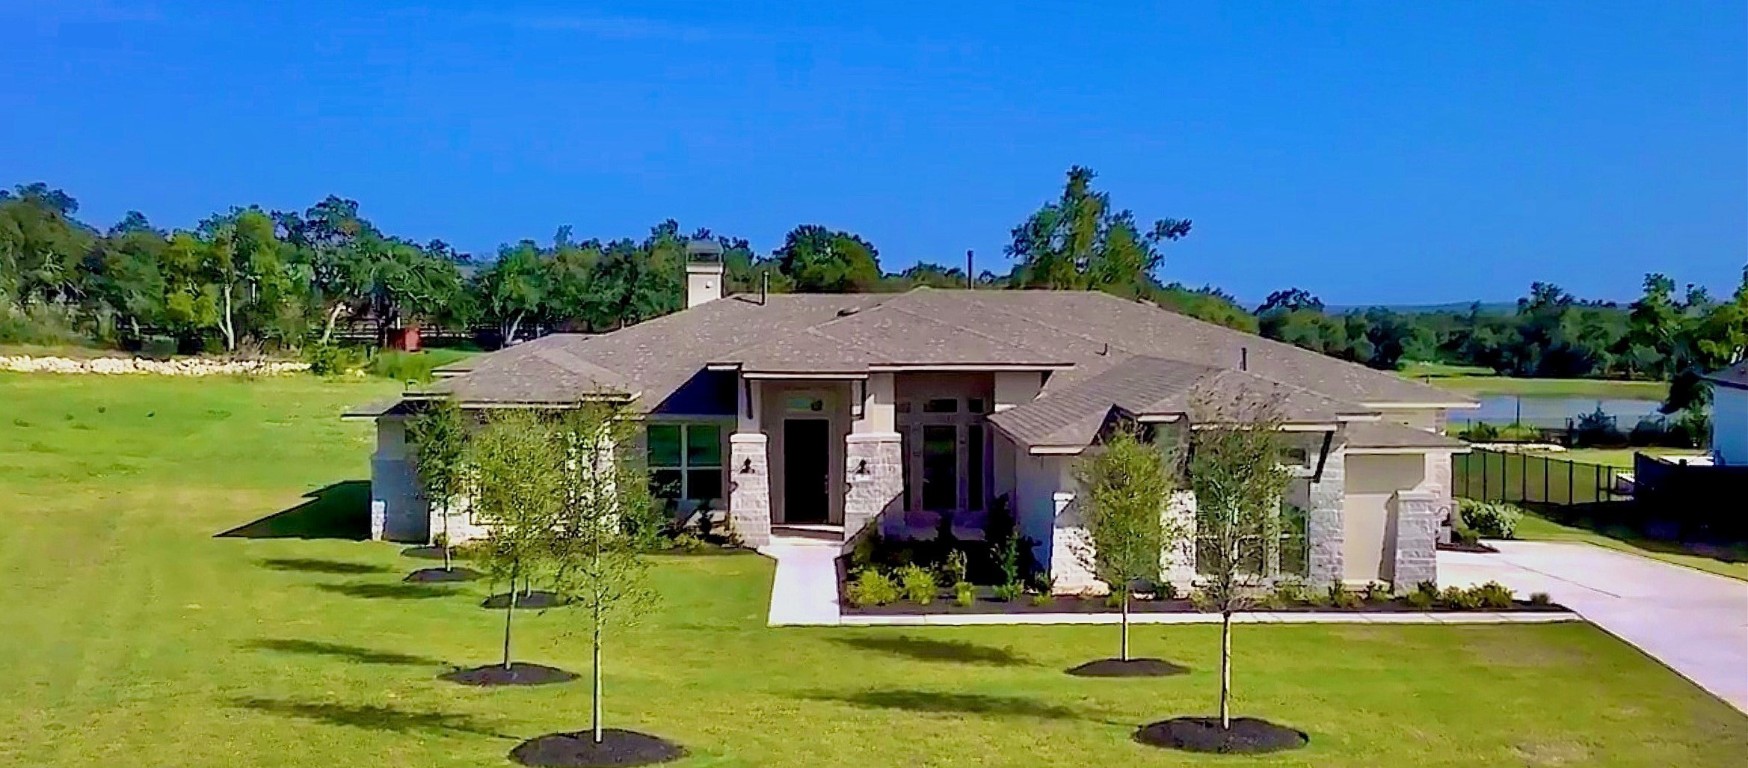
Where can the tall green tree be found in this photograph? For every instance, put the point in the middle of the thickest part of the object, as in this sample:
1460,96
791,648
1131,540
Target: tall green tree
598,537
1126,486
518,491
439,439
1237,471
821,260
515,288
1080,242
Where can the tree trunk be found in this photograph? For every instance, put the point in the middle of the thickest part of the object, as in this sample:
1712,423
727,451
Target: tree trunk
596,711
1226,670
448,562
1125,625
226,324
328,327
509,611
515,324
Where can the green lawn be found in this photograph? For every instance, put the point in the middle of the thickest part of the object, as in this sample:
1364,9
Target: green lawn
133,635
1585,388
1619,457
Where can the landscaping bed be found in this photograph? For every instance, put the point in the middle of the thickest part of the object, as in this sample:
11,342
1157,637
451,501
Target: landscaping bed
1472,547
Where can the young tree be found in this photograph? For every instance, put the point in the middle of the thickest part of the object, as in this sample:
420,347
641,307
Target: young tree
518,491
1236,471
439,437
597,544
1126,488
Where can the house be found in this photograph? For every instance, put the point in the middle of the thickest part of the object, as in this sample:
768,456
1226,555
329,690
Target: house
835,413
1730,416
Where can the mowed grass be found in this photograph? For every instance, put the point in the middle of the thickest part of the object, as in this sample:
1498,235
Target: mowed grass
1603,389
1726,560
131,634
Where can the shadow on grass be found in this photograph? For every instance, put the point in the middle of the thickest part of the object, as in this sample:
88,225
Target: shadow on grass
349,652
1629,524
372,717
339,511
926,649
396,591
943,703
311,565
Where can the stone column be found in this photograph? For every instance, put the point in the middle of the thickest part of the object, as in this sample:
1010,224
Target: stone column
1412,539
749,495
874,474
1438,474
397,510
1323,519
1069,544
1178,564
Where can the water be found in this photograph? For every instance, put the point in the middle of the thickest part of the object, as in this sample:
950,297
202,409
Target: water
1500,410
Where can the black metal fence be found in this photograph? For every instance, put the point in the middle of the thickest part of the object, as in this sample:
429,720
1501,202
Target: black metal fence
1526,477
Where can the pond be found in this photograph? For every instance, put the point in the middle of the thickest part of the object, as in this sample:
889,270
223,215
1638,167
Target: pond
1500,410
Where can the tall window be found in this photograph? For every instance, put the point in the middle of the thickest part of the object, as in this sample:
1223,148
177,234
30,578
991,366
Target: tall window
685,465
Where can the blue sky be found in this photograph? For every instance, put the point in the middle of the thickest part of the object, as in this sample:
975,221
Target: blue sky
1369,152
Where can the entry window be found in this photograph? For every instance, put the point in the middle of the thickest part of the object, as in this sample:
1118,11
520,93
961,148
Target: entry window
685,465
940,466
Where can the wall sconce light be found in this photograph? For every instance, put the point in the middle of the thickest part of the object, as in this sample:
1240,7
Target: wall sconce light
746,466
862,467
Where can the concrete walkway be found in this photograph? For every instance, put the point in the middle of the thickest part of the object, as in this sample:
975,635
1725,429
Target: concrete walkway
1695,622
805,590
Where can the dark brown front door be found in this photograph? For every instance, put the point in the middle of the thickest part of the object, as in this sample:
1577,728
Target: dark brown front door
806,470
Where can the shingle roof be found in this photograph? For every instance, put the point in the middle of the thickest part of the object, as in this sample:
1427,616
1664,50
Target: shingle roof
1383,434
1088,333
1736,377
1144,387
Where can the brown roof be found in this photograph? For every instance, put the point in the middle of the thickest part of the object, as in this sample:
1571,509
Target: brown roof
1084,334
1384,434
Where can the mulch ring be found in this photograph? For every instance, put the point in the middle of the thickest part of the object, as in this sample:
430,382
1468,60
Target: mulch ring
535,600
1248,735
1130,668
516,674
617,747
442,575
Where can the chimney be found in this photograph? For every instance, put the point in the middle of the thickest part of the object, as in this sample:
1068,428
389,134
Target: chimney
703,272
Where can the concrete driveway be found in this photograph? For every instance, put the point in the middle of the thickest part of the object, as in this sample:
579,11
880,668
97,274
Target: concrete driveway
1695,622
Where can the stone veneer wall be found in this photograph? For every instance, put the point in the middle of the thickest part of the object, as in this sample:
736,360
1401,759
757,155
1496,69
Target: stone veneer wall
749,496
1438,475
1324,519
874,474
397,511
1412,539
1069,540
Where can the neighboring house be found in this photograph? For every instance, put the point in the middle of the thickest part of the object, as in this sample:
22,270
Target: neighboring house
1730,416
836,412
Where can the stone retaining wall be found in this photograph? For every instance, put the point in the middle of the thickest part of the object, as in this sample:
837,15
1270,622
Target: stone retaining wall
194,366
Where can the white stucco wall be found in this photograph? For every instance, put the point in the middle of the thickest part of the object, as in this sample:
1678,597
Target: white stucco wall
1016,388
1730,425
1372,479
1037,481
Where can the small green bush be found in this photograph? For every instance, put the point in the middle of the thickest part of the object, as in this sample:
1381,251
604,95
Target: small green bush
686,542
1457,598
918,584
1489,520
955,566
1377,592
1341,597
1493,595
1480,432
872,587
332,359
1519,433
1043,599
964,594
1201,601
1008,593
1420,599
1165,590
1540,598
1114,599
1290,593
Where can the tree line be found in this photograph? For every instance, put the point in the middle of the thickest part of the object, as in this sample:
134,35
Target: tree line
259,279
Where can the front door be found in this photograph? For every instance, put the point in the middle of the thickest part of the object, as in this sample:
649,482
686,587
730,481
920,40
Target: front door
806,470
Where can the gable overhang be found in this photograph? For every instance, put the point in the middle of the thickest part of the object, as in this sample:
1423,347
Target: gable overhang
1401,451
1391,405
968,367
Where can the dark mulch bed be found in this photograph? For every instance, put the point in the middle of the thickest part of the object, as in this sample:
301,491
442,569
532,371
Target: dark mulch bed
986,603
1130,668
1476,547
1247,735
517,674
617,747
535,600
431,553
443,576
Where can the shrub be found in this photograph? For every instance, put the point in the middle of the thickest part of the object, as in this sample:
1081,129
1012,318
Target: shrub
1428,588
1460,599
1043,599
1114,599
1597,428
331,359
1693,428
1540,598
1290,593
1165,590
1489,520
1376,592
158,347
403,366
686,542
964,594
918,584
1342,597
1519,433
872,587
1420,599
1201,601
955,567
862,553
1480,432
1008,593
1493,595
1043,583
